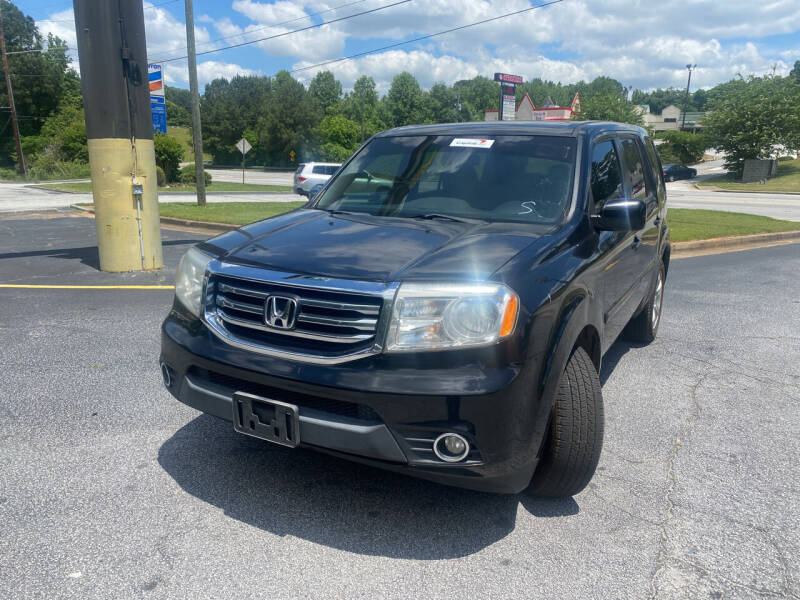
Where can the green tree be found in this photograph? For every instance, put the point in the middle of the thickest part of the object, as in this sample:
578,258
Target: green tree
439,105
177,116
608,107
360,105
38,97
683,147
169,154
325,91
795,72
339,137
288,121
475,96
751,118
403,102
228,109
180,96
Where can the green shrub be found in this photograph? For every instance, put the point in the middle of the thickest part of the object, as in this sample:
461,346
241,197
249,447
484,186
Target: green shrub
188,176
9,174
161,179
684,146
169,154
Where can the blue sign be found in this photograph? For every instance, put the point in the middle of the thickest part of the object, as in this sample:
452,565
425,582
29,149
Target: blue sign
158,107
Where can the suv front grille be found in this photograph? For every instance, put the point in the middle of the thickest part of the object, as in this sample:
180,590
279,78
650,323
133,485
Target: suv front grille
326,322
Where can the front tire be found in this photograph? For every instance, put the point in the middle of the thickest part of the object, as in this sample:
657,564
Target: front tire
575,436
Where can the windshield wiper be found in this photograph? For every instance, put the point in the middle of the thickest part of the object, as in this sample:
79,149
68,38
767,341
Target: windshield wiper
441,217
342,212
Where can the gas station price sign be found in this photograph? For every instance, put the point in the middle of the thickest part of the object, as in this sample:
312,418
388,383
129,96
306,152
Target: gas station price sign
508,98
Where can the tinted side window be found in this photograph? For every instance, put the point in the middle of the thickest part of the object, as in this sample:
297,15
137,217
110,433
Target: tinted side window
319,170
634,168
655,167
606,180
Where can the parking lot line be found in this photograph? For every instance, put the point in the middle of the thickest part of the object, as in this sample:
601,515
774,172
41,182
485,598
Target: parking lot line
87,287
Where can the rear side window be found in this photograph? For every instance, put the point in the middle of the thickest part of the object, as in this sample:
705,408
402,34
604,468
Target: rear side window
634,168
606,178
655,168
324,169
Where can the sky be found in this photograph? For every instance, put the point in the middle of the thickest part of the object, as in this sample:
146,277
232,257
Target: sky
642,43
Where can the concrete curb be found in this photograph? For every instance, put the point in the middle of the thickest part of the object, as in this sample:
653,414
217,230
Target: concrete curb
221,227
713,188
722,244
733,242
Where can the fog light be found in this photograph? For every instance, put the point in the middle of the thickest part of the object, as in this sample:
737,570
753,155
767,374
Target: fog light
451,447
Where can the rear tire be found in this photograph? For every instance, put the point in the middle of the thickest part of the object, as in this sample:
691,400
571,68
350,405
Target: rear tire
575,436
643,328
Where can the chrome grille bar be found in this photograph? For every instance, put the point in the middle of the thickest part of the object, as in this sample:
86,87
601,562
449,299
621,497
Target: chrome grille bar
335,338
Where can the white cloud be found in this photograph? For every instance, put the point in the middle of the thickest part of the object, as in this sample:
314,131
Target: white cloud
641,43
212,69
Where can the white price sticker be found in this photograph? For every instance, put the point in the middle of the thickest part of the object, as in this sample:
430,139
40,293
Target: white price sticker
471,143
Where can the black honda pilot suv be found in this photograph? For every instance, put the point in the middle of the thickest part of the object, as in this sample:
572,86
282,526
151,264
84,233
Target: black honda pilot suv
441,308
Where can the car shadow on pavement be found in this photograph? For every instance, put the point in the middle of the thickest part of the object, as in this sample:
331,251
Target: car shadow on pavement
613,356
337,503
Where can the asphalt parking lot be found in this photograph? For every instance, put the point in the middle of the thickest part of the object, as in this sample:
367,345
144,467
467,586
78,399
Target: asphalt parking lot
109,488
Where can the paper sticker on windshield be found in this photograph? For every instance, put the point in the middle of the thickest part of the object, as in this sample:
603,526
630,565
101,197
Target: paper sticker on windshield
471,143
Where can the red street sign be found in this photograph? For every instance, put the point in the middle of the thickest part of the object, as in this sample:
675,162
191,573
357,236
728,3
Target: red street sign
508,78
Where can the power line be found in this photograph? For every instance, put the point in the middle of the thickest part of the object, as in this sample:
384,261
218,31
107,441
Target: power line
425,37
277,35
305,16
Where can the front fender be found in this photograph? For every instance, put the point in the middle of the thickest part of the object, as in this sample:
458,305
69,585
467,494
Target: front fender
561,325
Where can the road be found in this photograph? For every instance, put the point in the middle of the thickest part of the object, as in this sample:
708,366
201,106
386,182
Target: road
15,197
109,488
233,175
684,194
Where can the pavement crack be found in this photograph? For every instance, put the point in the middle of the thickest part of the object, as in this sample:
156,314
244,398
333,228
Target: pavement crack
672,480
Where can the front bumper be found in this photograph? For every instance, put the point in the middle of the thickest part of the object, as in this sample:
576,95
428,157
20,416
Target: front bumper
381,410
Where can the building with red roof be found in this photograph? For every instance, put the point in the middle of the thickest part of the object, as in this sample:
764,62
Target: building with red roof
527,111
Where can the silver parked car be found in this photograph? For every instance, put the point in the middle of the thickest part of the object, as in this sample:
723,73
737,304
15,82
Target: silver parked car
310,174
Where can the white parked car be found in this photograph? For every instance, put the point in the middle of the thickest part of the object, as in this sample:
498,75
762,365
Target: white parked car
310,174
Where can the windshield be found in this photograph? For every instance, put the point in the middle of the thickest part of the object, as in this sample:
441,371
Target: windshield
504,178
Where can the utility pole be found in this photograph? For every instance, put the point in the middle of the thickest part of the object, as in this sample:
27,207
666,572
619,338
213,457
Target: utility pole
15,124
194,92
119,127
691,67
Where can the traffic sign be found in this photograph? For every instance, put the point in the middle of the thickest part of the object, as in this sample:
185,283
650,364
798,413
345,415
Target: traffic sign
243,146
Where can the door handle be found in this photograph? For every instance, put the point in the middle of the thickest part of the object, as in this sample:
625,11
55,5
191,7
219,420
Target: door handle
636,242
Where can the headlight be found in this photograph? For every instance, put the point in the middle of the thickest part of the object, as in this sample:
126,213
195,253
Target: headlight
440,316
189,279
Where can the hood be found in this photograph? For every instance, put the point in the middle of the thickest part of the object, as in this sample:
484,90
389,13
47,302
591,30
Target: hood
377,249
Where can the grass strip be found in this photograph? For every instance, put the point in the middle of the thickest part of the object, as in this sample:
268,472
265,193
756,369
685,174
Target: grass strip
85,187
787,180
686,224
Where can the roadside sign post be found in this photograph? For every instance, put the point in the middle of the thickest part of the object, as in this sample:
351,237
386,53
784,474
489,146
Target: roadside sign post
244,147
508,97
158,106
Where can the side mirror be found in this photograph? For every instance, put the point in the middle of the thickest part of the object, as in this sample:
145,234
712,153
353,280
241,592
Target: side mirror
621,214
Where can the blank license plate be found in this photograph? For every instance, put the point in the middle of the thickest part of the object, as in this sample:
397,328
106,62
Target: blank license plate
271,420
